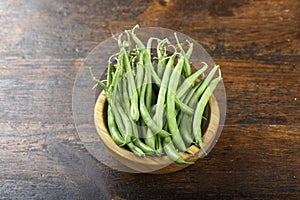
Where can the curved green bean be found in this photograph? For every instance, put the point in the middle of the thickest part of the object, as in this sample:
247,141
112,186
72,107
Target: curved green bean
200,109
172,153
135,150
113,130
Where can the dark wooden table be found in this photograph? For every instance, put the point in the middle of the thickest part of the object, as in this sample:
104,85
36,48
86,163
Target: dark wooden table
42,45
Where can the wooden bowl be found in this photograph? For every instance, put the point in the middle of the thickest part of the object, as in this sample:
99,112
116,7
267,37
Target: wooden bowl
152,164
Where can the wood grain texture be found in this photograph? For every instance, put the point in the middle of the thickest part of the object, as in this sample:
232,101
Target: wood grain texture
256,42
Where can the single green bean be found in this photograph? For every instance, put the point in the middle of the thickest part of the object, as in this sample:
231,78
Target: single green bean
190,51
148,98
134,110
150,137
163,91
172,153
171,111
139,72
158,146
117,75
187,68
184,107
148,64
113,130
110,70
200,109
187,65
161,55
124,92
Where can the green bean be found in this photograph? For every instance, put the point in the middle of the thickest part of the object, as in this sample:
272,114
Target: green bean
149,47
146,116
186,66
134,111
135,134
117,75
121,124
184,107
113,130
171,112
158,146
158,116
161,57
192,103
136,150
200,109
125,95
163,91
148,64
140,79
134,128
204,84
128,42
172,153
98,82
150,137
181,105
117,108
190,51
136,140
130,126
110,70
139,72
141,46
145,148
138,42
189,82
148,98
184,119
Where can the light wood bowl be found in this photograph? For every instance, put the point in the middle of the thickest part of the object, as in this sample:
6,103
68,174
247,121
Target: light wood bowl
152,164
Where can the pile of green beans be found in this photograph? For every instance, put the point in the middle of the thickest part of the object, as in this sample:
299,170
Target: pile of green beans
155,103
